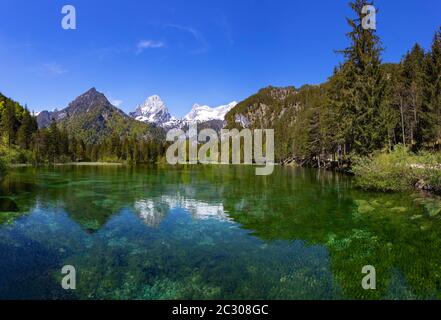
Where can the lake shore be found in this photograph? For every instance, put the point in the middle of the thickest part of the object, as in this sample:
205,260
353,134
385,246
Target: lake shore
370,175
24,165
399,170
91,164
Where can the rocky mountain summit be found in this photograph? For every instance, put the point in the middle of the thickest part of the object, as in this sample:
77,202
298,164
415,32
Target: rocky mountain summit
92,118
154,111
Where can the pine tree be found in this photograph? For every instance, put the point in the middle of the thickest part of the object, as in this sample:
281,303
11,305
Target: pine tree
115,146
80,151
53,142
9,124
73,148
40,144
144,151
430,129
135,152
390,114
360,88
64,142
410,94
26,130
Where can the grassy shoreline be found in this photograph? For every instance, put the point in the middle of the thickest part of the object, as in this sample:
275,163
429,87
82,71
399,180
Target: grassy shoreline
399,170
98,163
24,165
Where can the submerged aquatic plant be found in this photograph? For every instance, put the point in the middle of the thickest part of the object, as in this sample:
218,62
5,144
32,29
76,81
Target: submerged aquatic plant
205,233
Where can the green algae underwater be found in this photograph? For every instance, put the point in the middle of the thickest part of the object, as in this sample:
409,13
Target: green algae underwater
212,232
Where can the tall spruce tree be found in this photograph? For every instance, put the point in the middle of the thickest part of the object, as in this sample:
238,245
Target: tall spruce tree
8,124
359,94
53,142
26,130
430,130
407,94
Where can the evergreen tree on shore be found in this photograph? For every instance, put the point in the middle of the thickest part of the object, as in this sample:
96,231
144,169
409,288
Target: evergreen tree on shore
360,92
410,95
430,129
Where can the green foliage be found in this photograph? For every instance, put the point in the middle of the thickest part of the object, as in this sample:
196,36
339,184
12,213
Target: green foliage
92,128
295,114
398,170
430,129
2,167
386,171
53,145
359,95
17,127
85,138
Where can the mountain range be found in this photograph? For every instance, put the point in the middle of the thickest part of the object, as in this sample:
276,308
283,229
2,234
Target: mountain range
91,115
154,111
92,118
292,113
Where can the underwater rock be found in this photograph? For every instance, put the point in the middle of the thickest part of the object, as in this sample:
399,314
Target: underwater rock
8,205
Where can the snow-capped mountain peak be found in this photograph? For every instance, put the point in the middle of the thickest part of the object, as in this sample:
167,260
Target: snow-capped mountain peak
205,113
153,110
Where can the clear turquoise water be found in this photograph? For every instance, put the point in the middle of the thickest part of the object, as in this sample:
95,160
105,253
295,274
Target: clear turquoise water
214,232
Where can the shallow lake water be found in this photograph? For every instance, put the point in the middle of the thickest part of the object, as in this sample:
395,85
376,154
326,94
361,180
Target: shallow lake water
214,232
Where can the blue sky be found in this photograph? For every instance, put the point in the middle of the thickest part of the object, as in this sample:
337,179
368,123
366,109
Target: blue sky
187,51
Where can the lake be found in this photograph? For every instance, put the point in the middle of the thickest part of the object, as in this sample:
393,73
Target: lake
212,232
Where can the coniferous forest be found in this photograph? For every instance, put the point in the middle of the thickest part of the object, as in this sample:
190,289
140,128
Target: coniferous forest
22,142
365,105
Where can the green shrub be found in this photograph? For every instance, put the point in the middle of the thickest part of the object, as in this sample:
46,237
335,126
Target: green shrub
14,155
385,171
398,170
